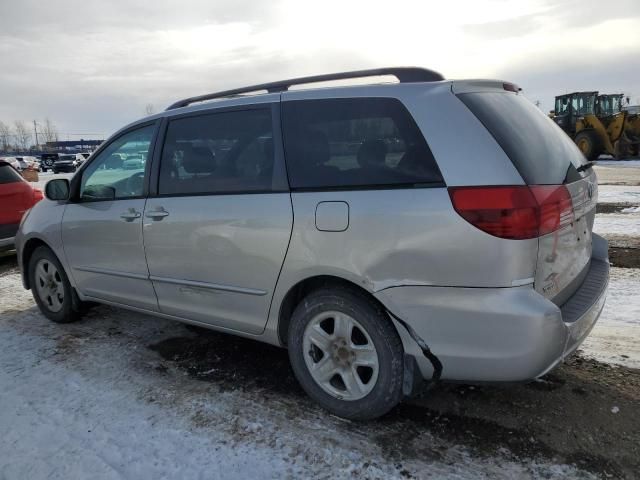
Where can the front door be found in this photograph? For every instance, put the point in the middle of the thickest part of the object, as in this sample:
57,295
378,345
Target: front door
102,227
217,232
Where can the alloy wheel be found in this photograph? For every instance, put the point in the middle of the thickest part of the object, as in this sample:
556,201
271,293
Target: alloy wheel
340,355
49,285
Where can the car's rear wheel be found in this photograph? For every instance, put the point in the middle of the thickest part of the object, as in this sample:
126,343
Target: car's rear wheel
346,354
50,287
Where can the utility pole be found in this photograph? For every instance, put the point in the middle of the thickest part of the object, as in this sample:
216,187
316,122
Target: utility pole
35,130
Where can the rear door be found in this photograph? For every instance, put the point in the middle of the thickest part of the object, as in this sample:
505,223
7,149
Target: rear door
102,226
545,155
16,196
217,232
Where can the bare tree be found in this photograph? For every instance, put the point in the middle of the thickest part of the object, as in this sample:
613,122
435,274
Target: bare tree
23,135
49,131
149,109
5,137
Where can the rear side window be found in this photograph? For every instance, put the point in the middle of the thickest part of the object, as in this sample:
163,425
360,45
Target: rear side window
541,152
223,152
357,142
8,174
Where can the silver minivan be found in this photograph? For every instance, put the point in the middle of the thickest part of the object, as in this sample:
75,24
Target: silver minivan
389,235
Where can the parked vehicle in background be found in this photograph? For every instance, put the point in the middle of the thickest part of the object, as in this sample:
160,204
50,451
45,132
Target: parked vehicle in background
598,124
66,163
13,161
47,160
80,158
16,197
28,162
133,162
443,231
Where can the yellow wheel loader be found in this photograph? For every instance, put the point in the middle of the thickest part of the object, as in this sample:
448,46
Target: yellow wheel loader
597,124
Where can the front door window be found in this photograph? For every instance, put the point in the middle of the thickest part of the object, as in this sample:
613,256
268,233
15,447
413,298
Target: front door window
118,171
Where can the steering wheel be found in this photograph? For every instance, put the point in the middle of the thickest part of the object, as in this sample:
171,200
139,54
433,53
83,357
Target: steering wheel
135,183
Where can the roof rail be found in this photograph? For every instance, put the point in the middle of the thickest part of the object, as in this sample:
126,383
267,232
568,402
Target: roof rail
403,74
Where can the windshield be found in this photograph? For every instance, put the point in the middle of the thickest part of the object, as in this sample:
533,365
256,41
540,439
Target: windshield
610,104
584,104
541,152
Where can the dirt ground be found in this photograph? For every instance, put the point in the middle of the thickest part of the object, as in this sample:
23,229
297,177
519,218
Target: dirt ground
566,417
584,413
610,175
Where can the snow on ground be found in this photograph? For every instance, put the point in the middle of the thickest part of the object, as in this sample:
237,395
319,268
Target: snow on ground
618,163
616,336
89,400
618,194
617,224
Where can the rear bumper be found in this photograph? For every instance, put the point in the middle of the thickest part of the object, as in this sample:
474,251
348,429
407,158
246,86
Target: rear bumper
7,234
7,243
500,334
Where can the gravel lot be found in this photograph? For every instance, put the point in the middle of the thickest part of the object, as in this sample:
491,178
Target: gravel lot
123,395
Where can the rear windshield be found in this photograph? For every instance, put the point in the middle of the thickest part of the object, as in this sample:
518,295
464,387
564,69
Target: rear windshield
8,174
538,148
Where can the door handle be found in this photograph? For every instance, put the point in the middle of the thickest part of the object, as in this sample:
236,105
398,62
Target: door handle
130,215
157,214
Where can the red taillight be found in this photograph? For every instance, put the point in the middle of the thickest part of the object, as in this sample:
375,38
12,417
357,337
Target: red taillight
555,207
517,212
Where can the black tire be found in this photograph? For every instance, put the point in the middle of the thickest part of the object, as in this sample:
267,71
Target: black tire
387,390
623,149
68,313
589,143
55,172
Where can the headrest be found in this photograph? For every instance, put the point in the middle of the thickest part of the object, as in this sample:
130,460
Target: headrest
372,153
198,160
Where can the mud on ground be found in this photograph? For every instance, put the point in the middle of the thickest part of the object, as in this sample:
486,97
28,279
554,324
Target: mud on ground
584,412
610,175
624,257
8,262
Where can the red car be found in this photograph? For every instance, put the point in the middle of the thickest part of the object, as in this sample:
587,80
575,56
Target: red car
16,197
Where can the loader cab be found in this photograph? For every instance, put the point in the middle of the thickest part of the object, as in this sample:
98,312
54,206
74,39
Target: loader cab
571,106
609,105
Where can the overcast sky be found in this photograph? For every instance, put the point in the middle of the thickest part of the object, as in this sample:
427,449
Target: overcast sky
93,66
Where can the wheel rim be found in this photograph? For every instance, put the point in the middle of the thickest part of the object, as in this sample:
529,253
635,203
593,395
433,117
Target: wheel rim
49,286
340,355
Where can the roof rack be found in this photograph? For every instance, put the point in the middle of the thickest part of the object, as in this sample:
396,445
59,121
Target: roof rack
403,74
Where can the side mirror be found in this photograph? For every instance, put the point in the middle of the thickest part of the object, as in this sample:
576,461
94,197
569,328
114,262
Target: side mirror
57,190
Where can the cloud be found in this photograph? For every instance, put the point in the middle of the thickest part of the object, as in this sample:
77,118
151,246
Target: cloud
93,66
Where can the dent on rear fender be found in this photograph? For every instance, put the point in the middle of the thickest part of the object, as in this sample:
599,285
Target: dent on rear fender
402,237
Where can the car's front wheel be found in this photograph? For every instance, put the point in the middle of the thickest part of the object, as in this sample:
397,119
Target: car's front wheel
50,287
346,353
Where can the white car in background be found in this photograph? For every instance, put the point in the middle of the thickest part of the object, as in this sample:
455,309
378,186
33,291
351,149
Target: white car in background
13,161
27,161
